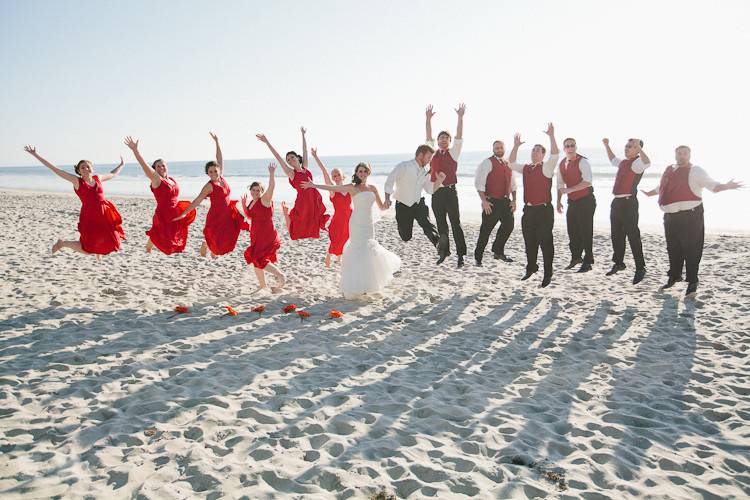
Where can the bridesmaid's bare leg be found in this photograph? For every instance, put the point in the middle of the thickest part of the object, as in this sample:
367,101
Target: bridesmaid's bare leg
203,249
73,245
287,219
328,260
149,246
280,278
261,275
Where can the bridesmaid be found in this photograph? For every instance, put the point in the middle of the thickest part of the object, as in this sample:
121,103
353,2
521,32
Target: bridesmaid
223,221
308,216
338,229
264,240
99,222
165,234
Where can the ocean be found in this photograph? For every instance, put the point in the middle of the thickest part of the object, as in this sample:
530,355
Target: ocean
722,214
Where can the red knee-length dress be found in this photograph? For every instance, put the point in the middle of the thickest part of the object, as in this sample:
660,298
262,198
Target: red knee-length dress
338,229
168,235
309,215
264,240
223,222
99,222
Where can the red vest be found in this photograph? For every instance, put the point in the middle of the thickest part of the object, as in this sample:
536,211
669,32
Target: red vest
675,187
626,181
571,174
537,187
498,183
444,162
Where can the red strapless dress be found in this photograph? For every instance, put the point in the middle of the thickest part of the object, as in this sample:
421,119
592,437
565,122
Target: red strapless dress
309,215
223,223
264,240
167,235
99,223
338,229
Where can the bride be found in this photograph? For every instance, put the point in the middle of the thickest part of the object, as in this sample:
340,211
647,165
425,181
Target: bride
366,266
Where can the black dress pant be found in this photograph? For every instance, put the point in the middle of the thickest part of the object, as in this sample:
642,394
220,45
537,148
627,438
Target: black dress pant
501,212
536,224
445,203
684,232
580,217
623,218
405,216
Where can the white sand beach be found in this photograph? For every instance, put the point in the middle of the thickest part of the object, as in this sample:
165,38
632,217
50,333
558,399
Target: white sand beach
453,384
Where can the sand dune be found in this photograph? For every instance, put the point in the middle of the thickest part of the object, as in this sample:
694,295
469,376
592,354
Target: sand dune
454,383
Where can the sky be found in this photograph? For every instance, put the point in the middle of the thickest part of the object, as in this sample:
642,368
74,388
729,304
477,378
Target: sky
77,76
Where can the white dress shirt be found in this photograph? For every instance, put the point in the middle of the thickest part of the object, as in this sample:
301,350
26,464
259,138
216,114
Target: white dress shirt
483,170
410,179
548,167
698,179
583,166
638,167
454,150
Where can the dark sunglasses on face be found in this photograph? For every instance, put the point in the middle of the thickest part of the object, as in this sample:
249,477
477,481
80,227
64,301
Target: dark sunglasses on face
570,145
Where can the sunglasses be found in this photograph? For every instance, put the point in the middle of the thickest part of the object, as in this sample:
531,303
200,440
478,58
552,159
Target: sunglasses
570,145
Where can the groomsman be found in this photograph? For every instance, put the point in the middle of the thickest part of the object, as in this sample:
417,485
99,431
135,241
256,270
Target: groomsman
680,199
496,186
410,178
623,215
538,215
445,199
574,178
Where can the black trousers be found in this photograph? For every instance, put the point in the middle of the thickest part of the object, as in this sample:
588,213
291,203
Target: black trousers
405,216
580,217
501,212
536,224
623,218
445,203
684,232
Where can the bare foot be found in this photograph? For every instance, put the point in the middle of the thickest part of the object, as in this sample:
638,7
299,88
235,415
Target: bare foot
275,289
203,249
328,260
149,246
57,246
213,255
280,282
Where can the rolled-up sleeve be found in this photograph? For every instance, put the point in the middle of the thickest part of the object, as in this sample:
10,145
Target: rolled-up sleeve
480,177
585,168
516,167
638,166
701,178
455,150
392,178
548,168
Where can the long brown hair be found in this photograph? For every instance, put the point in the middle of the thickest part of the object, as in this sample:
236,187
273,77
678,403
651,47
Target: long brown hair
356,180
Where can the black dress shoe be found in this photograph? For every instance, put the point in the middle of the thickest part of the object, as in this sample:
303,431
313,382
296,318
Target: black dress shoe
503,257
460,263
670,282
586,267
639,275
546,281
691,289
573,263
441,259
615,268
528,274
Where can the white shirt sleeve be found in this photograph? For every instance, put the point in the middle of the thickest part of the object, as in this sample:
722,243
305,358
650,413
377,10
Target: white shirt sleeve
480,177
701,178
512,182
431,144
638,166
560,181
428,185
393,177
516,167
615,161
585,168
455,150
548,167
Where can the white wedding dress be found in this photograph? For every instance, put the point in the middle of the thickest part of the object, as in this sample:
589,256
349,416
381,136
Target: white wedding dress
366,266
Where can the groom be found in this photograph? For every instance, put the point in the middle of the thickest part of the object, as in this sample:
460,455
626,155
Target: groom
410,178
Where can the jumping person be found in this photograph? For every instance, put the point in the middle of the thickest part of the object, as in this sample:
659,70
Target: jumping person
338,228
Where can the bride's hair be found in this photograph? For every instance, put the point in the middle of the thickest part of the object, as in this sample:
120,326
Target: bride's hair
356,180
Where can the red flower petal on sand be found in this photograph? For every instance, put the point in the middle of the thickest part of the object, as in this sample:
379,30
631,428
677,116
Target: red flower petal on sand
181,309
259,309
290,308
335,314
231,311
303,315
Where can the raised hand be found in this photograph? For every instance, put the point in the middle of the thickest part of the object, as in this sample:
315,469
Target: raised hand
214,136
314,152
30,149
517,141
303,130
461,109
131,143
262,138
271,167
429,113
605,141
550,129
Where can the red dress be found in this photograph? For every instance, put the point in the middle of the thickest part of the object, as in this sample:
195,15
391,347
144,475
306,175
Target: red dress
223,223
167,235
99,223
309,215
338,229
264,240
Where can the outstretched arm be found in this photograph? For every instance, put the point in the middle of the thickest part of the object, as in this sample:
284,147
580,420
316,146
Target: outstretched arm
553,149
304,147
514,153
73,179
610,154
268,194
323,168
460,127
732,184
344,188
378,200
429,113
113,173
207,189
289,171
150,173
219,156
